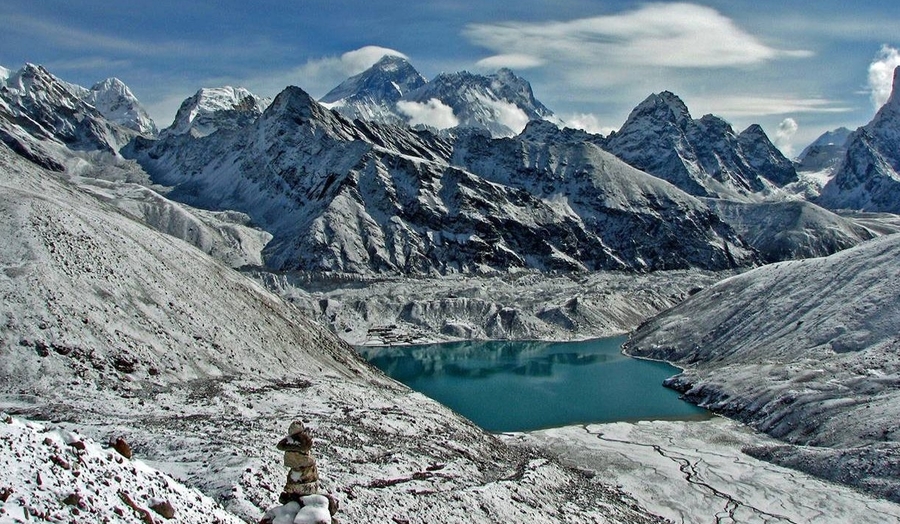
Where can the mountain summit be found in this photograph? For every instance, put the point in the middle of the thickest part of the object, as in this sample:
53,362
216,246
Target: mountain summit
34,102
704,157
211,109
393,92
869,177
374,93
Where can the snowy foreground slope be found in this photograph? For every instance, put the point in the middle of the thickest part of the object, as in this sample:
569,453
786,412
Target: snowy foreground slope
806,351
113,329
59,476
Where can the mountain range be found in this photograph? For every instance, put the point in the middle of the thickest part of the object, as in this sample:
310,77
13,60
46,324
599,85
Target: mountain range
703,157
392,91
370,197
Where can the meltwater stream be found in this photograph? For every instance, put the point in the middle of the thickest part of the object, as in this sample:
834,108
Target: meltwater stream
523,386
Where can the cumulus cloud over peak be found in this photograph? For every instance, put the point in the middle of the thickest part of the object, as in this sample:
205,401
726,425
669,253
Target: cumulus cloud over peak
784,136
881,75
432,113
506,113
660,34
587,122
357,61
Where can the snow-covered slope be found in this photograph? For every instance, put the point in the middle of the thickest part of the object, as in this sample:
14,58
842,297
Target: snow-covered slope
115,329
362,197
374,93
868,178
790,230
54,475
704,157
227,236
393,92
824,152
806,351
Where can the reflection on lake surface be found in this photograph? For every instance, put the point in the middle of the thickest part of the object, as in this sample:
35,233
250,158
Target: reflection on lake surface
522,386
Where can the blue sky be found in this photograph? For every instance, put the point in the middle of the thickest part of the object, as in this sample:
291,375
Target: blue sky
797,68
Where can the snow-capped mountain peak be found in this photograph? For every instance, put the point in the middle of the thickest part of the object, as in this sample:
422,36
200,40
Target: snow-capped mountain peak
665,106
36,82
393,92
50,109
116,102
212,109
389,79
825,152
373,94
704,156
868,178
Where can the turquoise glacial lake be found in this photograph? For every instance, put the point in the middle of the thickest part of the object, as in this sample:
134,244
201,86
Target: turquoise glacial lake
523,386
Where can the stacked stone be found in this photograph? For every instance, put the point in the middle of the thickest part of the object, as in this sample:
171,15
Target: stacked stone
302,502
303,477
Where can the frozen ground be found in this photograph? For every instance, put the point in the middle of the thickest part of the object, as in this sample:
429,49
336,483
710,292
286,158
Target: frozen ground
695,472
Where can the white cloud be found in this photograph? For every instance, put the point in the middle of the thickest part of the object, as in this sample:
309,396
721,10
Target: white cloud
432,113
881,75
587,122
512,61
784,136
506,113
676,35
737,106
357,61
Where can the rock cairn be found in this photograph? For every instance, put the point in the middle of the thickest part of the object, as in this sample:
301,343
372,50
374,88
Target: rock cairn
302,502
303,477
